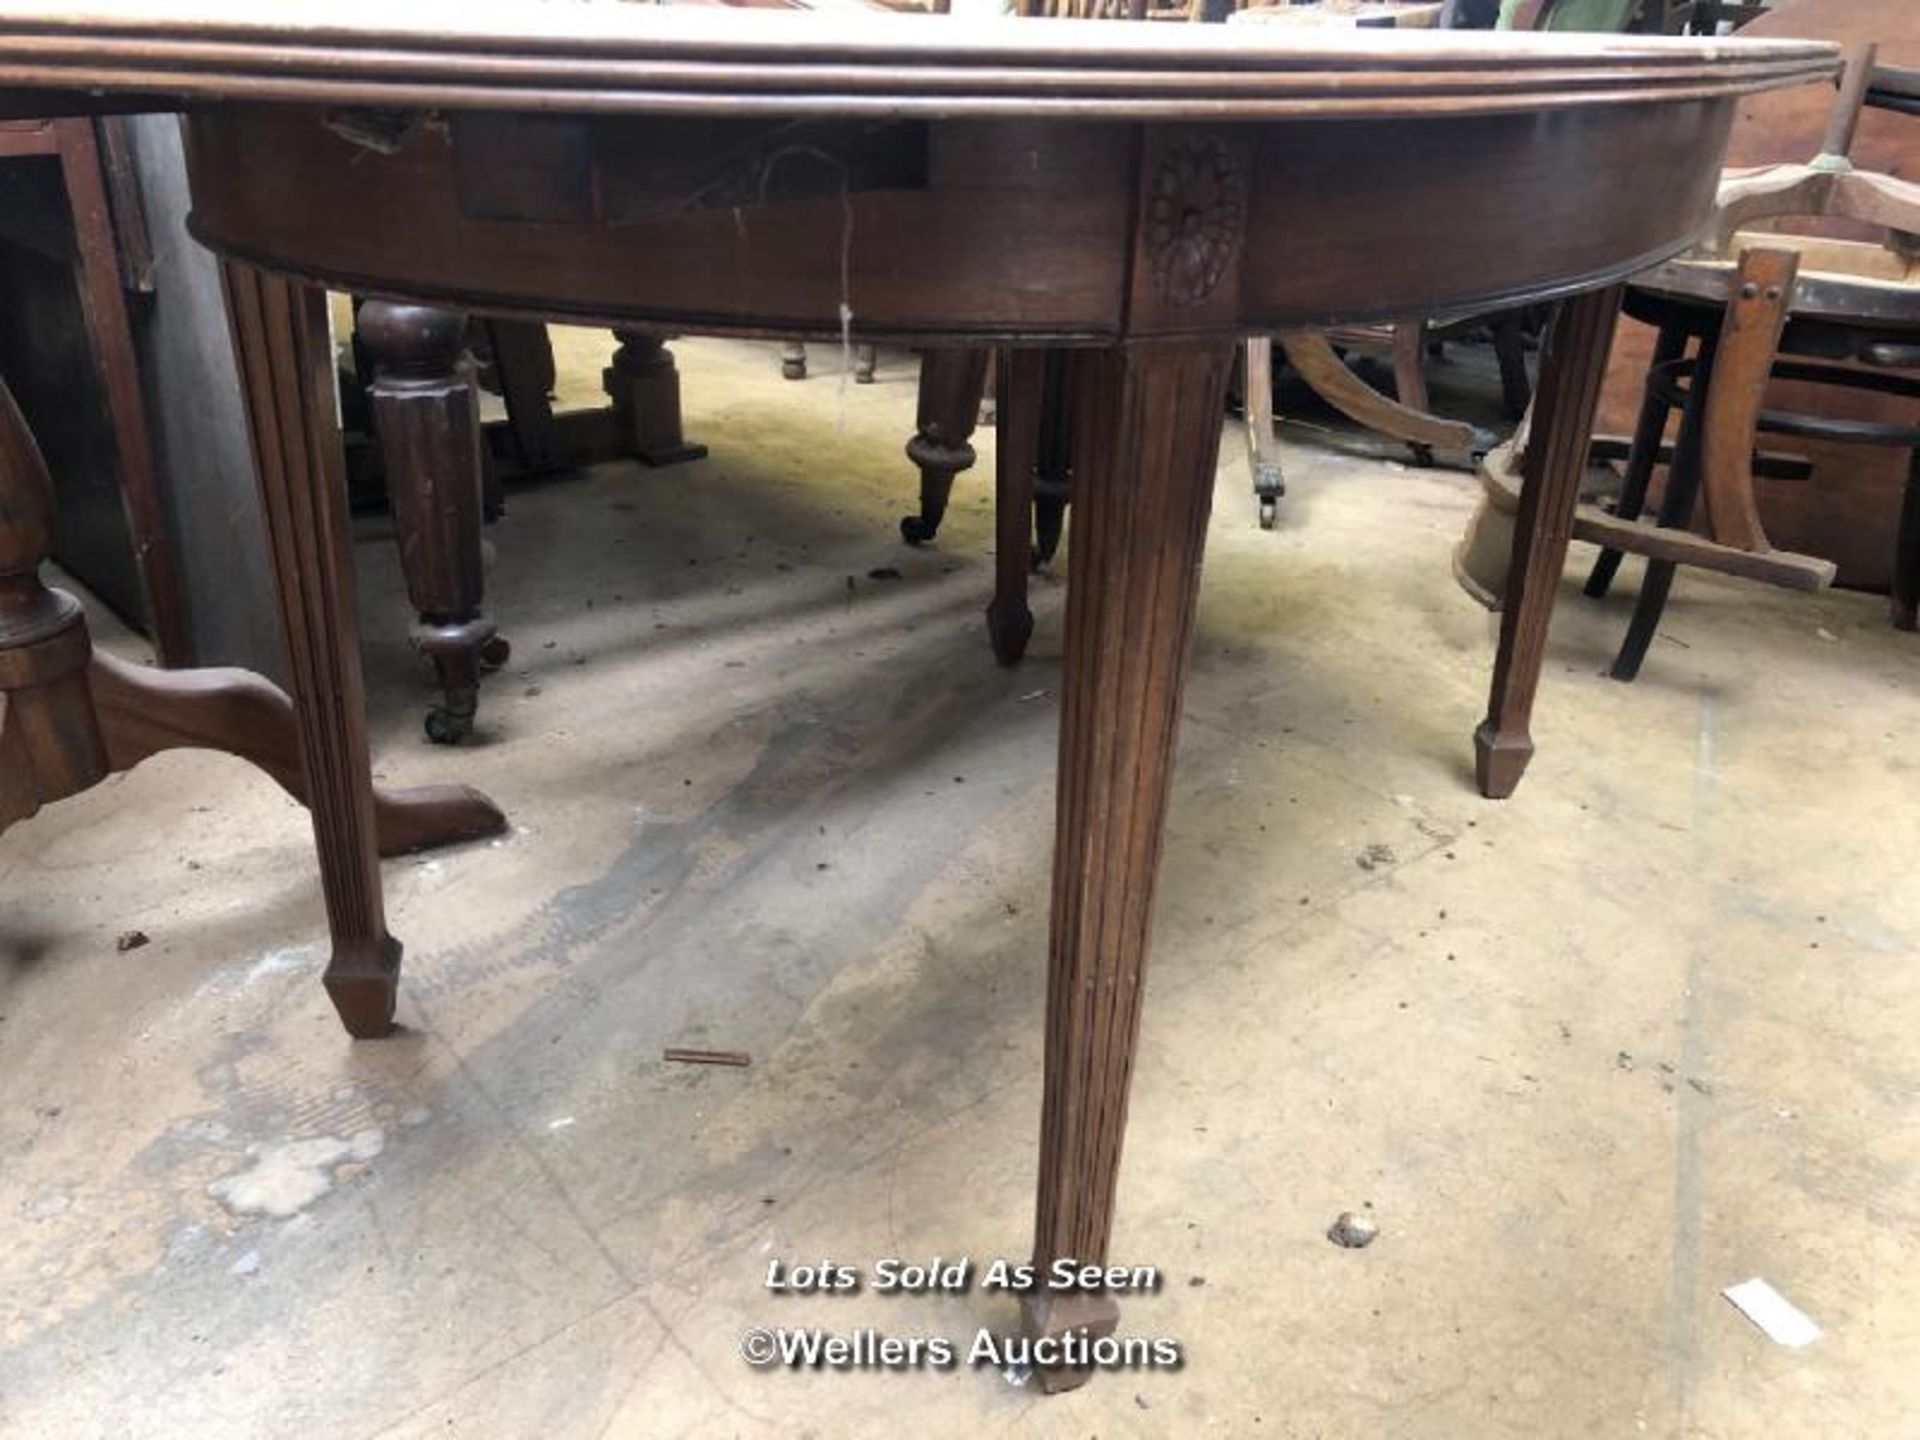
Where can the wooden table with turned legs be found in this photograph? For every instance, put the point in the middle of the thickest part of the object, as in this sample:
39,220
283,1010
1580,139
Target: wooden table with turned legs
1135,198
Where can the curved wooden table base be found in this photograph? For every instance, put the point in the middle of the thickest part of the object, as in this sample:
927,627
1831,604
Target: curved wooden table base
1313,356
143,712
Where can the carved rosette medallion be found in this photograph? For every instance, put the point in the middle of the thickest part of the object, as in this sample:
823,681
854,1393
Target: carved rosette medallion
1195,215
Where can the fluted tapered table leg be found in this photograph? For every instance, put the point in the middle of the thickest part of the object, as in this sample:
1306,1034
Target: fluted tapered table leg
1146,436
1571,368
280,337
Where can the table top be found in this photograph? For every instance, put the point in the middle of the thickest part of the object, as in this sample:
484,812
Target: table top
1350,14
601,56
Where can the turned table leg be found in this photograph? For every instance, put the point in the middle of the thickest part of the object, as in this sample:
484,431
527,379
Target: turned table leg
1053,471
286,375
1572,365
1263,446
1022,376
1146,437
950,385
428,417
644,385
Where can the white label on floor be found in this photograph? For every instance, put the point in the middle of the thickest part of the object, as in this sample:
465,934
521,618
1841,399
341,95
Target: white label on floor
1779,1318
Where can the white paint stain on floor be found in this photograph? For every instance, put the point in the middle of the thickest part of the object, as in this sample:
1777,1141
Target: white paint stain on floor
286,1178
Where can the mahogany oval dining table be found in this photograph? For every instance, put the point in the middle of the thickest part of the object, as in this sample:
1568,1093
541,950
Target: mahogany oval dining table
1145,195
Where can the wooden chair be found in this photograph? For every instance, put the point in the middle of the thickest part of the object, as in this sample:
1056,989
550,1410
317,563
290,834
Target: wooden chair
1851,308
1757,305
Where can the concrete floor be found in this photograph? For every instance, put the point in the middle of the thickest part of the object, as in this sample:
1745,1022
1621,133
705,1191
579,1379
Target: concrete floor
1589,1056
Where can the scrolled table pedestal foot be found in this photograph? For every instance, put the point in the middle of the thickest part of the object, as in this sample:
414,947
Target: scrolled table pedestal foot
142,712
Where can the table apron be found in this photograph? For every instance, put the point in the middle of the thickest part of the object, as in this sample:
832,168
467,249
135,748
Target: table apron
1075,232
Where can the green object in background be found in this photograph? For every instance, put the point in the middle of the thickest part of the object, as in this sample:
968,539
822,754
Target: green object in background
1607,15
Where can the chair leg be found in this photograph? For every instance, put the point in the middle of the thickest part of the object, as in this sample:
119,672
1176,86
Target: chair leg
1906,558
866,359
1263,450
1510,349
950,384
1676,509
1648,431
793,360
